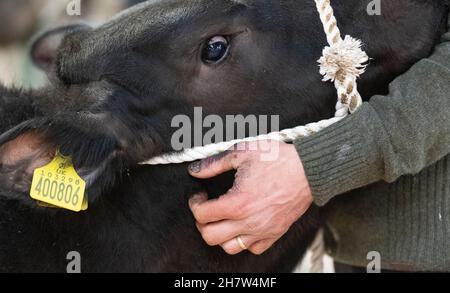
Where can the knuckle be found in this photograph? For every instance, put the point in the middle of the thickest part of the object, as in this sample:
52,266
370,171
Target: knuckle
241,210
231,251
246,205
278,229
257,251
234,209
234,154
201,220
209,241
275,232
208,236
200,227
199,215
230,248
251,225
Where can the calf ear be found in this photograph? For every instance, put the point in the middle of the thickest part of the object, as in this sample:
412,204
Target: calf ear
34,143
44,49
19,157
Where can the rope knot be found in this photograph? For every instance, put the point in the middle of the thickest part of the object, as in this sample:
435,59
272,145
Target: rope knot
345,58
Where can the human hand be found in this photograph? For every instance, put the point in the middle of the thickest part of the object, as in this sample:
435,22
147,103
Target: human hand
267,197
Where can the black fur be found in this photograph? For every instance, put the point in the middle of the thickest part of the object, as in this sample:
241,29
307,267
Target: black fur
113,92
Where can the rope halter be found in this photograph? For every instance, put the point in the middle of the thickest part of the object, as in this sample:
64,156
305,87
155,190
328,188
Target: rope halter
342,62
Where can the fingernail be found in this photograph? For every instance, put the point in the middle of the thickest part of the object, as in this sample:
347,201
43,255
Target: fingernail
195,167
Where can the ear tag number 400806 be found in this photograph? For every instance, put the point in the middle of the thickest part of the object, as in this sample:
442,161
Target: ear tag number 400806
58,184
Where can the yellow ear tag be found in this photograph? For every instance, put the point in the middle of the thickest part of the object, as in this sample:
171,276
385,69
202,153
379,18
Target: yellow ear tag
58,184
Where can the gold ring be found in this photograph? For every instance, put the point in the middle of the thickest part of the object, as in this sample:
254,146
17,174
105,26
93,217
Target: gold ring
241,243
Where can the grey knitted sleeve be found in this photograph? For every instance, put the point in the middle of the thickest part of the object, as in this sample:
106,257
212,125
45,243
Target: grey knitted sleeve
390,136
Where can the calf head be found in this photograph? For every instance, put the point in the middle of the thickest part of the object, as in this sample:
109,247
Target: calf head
115,89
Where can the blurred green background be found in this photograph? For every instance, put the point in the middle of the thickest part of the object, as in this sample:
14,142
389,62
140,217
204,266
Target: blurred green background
20,20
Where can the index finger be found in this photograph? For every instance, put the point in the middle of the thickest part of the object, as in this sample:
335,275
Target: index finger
216,165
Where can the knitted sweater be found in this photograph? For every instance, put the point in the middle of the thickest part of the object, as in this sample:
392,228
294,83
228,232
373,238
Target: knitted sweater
383,174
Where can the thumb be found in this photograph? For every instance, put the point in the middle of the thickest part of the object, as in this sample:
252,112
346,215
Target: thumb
216,165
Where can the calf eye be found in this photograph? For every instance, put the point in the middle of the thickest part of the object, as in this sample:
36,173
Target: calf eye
215,50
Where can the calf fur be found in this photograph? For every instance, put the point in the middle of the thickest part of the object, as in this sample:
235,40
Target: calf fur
113,91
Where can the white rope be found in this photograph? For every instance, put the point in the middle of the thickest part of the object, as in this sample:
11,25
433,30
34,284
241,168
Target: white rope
342,62
198,153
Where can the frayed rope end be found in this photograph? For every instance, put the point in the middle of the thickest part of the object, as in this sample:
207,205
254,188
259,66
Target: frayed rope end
343,59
